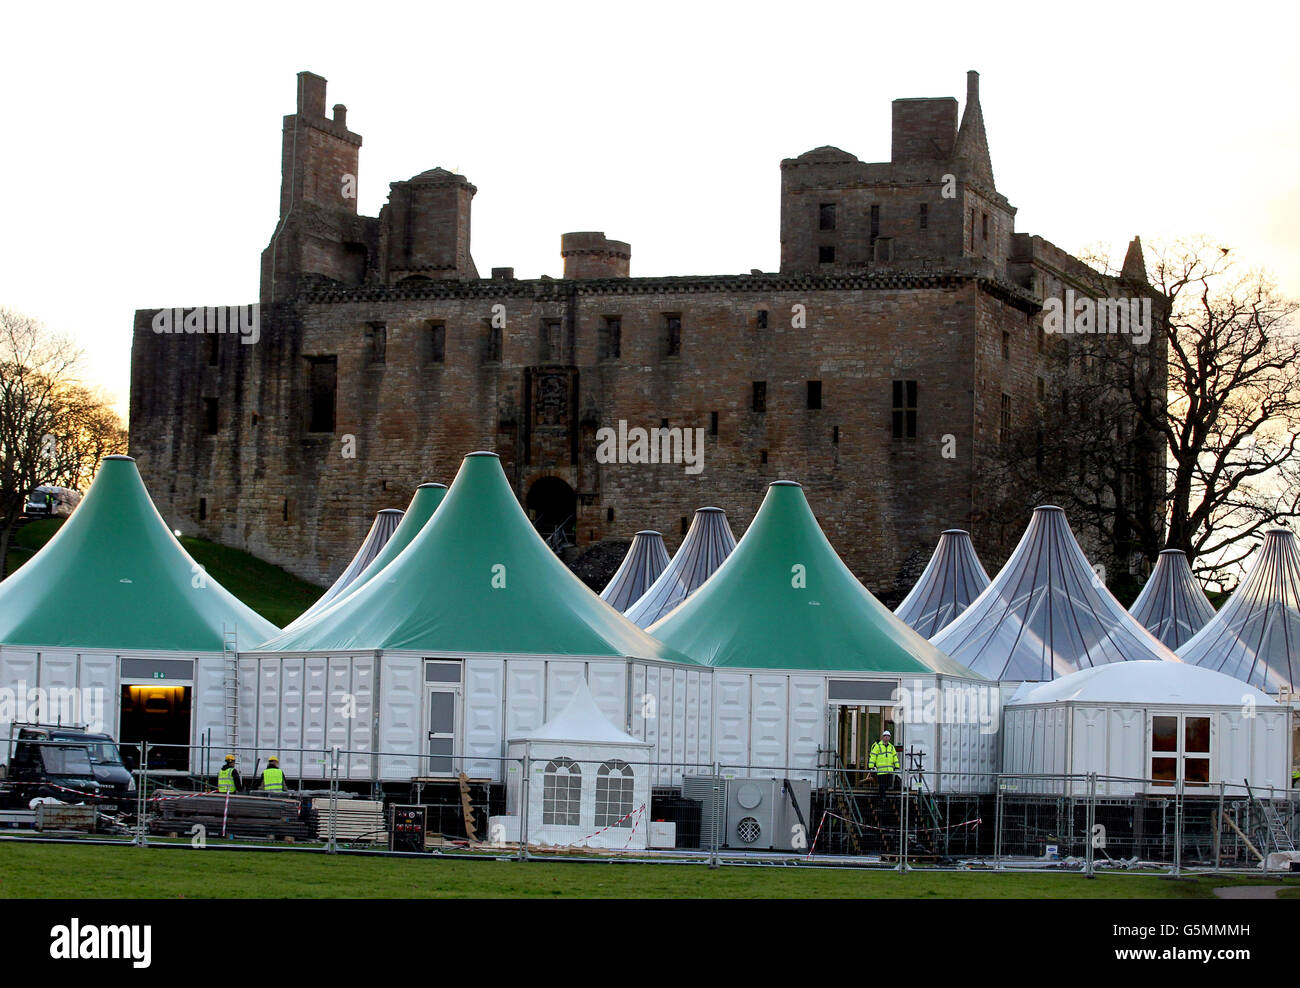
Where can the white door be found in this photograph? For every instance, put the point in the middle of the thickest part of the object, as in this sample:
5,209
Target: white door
442,707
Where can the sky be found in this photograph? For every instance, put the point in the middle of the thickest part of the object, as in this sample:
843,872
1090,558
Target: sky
142,141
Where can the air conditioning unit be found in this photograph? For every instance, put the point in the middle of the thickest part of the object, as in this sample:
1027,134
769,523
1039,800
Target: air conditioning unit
768,814
710,791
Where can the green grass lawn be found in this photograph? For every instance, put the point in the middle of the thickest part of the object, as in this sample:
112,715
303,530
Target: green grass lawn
275,594
60,870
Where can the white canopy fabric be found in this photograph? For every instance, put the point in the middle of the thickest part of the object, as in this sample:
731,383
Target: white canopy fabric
1146,682
952,579
646,558
381,530
581,722
1255,637
1172,605
707,544
1046,614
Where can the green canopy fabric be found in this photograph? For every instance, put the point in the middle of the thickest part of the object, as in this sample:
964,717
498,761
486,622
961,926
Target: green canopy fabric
477,578
115,578
785,600
426,500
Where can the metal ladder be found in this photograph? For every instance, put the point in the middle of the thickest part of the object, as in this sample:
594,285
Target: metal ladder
1278,835
230,655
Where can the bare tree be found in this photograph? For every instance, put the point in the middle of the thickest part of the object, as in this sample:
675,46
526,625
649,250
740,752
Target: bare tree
86,430
35,368
1188,441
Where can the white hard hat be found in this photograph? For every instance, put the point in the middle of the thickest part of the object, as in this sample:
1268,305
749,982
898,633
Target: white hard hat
885,734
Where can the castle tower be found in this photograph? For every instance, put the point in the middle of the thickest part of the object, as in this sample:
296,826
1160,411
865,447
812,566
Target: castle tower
593,255
426,227
319,232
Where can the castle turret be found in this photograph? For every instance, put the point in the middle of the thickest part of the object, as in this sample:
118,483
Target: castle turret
593,255
426,226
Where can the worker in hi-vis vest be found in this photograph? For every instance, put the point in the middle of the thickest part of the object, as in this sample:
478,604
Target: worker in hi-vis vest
884,762
273,776
228,777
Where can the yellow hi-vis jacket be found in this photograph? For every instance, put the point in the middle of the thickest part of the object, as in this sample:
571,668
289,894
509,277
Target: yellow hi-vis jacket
883,759
226,779
273,779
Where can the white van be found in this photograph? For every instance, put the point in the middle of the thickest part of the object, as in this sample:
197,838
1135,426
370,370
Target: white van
48,501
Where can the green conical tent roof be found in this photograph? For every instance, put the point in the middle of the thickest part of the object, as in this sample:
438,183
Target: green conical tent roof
785,600
426,500
115,578
477,578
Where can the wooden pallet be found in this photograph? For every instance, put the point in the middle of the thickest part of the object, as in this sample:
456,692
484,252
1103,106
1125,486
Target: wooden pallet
356,819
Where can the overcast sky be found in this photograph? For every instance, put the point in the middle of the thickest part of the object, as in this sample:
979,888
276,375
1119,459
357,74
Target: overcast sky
142,142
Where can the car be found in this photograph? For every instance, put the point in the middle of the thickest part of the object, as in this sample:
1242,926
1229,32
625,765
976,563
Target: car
48,501
70,765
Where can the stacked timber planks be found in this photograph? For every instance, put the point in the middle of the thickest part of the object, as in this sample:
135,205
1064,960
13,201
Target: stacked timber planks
232,816
356,820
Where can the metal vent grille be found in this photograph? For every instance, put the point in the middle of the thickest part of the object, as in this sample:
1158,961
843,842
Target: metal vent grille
711,792
748,830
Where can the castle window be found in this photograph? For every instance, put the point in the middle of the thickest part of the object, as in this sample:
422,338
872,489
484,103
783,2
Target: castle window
761,318
713,423
203,509
322,386
1042,340
985,223
1006,345
835,436
972,229
210,416
762,456
492,344
672,334
685,524
825,255
610,338
284,510
875,223
437,342
925,216
760,396
552,342
1005,433
377,341
1042,390
826,216
904,415
814,394
609,514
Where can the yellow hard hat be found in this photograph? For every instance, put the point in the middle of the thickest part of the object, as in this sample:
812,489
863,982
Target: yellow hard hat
230,758
273,758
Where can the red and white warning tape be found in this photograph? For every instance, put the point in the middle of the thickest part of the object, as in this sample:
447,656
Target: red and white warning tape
638,812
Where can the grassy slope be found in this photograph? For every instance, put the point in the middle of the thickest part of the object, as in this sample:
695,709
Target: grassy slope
56,871
275,594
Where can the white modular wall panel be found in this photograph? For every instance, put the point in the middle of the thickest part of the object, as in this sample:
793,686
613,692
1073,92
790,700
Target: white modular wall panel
361,764
248,717
667,729
731,718
268,708
691,756
98,681
807,725
58,670
769,715
208,713
484,737
679,722
19,671
291,719
608,684
402,683
525,695
706,755
315,716
340,708
1126,732
562,678
1269,765
638,711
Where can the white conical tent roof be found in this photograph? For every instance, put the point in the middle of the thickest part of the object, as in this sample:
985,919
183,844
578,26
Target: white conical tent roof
381,530
1046,614
1172,605
1255,637
581,722
952,579
1145,682
646,558
707,544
